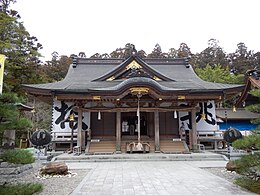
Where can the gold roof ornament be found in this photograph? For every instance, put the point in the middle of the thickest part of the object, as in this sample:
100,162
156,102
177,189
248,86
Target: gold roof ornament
111,78
156,78
139,90
133,65
96,98
181,97
234,109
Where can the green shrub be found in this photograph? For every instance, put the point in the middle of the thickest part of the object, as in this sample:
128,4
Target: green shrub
18,156
25,189
252,185
241,144
246,162
248,143
257,144
247,166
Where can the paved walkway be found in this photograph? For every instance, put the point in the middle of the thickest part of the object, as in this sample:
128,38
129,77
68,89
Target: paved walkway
153,177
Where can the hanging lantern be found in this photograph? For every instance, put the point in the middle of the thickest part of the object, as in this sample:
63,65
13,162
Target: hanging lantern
138,109
99,115
203,116
71,118
40,138
175,114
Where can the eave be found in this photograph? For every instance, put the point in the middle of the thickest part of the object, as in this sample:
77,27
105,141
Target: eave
251,82
174,95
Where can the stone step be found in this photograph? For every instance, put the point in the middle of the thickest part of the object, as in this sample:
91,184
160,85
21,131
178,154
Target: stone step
141,157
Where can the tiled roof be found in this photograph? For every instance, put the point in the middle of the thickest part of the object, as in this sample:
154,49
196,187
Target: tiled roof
240,114
83,76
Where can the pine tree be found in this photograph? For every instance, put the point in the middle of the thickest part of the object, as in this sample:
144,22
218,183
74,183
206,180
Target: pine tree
10,118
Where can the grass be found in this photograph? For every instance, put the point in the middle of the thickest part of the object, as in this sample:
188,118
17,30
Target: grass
251,185
24,189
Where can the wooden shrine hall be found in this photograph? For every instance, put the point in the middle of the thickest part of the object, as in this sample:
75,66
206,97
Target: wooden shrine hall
132,104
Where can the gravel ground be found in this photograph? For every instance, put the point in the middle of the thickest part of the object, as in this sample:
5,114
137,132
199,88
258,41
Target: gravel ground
62,185
223,173
56,185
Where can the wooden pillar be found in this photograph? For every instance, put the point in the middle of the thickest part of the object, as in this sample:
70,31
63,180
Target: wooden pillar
156,131
83,140
79,132
193,136
83,134
118,132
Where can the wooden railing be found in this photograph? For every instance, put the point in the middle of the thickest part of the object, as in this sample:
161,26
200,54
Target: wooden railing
63,136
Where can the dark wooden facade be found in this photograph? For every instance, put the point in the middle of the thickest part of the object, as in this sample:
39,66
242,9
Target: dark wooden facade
114,90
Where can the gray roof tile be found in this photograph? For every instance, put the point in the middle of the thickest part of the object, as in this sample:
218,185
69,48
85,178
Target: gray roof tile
81,78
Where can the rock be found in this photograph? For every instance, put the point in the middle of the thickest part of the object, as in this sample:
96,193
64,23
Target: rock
54,168
8,171
14,170
4,164
230,166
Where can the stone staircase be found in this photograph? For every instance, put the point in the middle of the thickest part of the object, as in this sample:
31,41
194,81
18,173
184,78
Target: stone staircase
171,150
124,157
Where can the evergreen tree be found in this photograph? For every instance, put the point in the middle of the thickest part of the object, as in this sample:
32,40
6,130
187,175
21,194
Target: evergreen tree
242,60
20,48
218,74
212,55
57,68
9,114
157,52
184,51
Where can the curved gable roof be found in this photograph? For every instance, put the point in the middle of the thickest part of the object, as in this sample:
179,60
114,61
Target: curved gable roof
88,75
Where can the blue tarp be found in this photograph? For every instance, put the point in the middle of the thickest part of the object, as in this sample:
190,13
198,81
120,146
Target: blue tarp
239,125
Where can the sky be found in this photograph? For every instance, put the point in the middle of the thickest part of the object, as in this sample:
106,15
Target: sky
100,26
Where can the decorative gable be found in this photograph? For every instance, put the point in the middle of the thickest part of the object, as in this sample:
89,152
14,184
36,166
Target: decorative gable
133,67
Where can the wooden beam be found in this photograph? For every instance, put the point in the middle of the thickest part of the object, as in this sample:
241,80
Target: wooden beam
132,109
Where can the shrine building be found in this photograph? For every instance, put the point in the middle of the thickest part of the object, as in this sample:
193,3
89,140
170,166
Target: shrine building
132,104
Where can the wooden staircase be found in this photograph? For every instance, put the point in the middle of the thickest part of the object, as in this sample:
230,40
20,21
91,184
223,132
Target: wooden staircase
102,147
173,147
167,146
